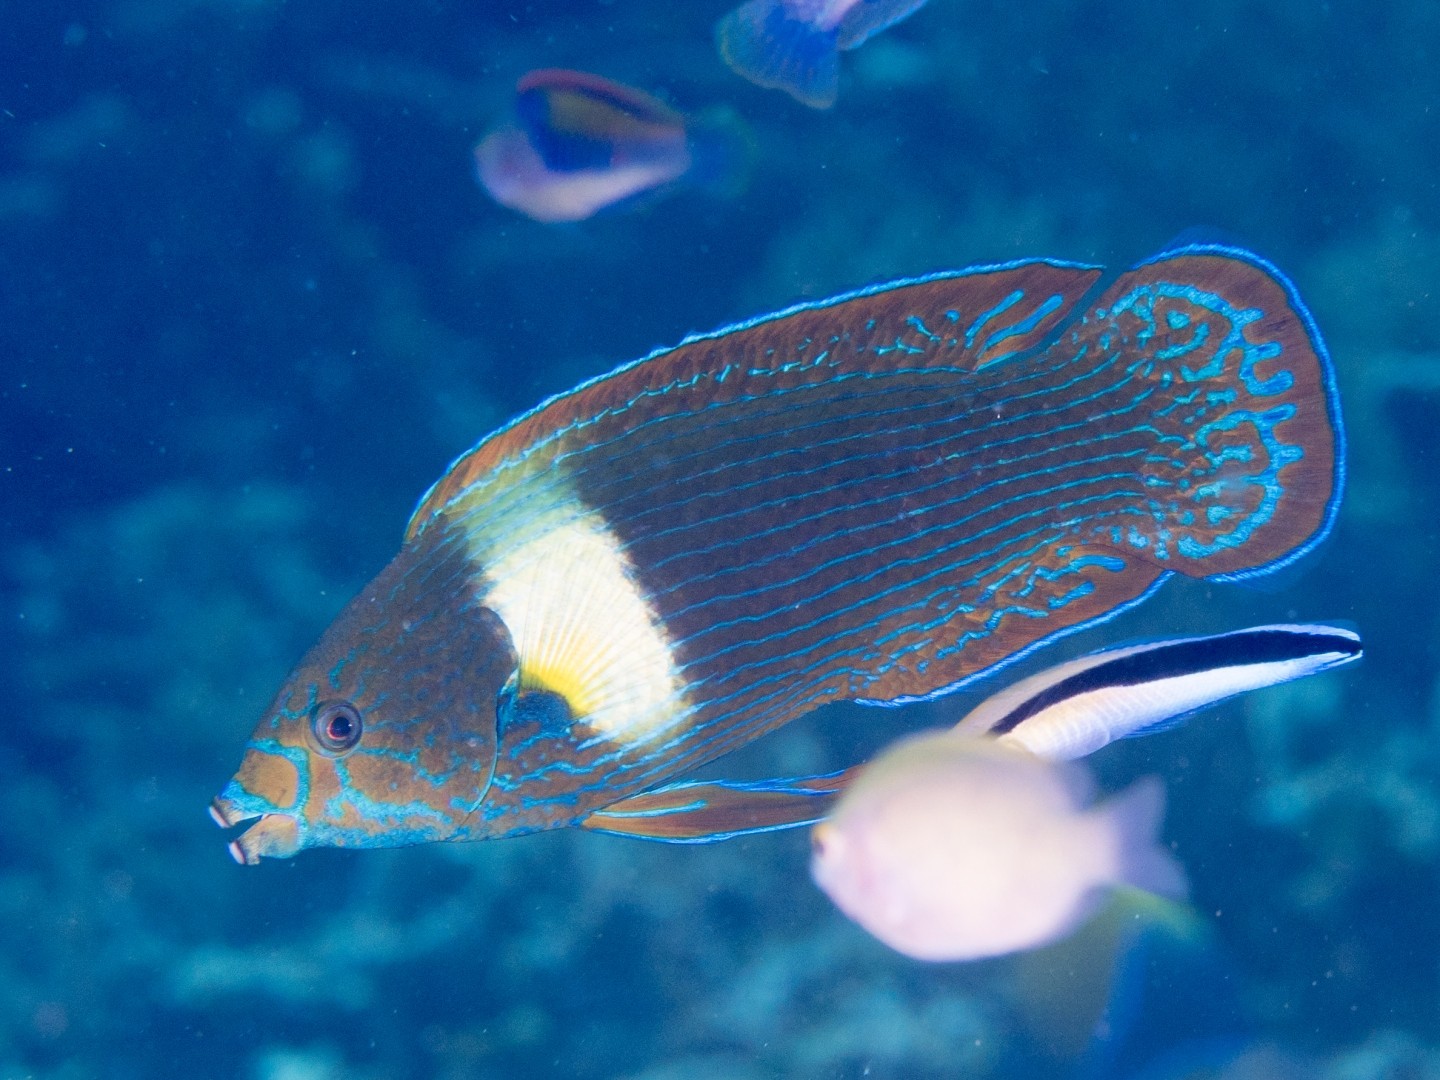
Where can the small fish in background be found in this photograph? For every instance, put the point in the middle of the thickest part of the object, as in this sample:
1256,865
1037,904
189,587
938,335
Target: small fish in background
795,45
581,143
978,840
953,848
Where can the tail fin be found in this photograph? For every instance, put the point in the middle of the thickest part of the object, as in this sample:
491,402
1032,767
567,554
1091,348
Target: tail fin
1248,465
722,152
1133,819
761,41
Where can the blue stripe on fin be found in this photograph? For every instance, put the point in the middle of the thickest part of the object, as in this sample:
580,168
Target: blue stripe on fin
1327,383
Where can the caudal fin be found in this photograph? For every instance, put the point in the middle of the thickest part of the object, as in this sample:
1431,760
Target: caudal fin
1133,820
1247,465
761,41
869,17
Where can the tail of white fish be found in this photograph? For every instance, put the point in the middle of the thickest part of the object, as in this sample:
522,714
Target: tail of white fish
1132,821
762,41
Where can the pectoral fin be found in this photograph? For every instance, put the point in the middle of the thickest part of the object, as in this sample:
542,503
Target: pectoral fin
702,811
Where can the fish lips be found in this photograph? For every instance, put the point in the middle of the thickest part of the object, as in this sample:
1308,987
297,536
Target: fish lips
272,834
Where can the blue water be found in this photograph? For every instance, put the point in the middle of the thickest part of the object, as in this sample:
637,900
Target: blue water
252,301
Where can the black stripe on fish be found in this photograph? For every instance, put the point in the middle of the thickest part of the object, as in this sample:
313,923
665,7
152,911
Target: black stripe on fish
1192,656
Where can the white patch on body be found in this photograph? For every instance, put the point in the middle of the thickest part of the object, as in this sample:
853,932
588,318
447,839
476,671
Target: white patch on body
558,579
955,848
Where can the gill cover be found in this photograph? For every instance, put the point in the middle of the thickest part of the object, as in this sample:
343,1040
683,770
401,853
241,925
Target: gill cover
386,733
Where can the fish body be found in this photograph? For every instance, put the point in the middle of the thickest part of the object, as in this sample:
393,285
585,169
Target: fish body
581,143
794,45
877,497
951,847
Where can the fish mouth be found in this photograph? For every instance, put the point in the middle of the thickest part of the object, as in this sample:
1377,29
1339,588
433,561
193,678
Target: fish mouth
265,834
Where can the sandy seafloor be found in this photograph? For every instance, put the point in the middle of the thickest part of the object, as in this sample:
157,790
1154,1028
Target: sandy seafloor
252,302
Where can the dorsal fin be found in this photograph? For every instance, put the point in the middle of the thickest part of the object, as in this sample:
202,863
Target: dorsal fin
1006,310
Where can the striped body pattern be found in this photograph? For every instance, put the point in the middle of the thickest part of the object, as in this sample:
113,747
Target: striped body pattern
873,498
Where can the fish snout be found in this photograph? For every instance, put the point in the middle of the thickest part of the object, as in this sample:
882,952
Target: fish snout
275,835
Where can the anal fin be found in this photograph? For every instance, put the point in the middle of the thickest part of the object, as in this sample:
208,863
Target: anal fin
703,811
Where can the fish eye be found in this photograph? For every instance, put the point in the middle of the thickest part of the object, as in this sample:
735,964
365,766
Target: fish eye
336,726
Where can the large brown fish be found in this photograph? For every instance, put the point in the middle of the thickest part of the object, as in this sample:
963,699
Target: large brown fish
876,498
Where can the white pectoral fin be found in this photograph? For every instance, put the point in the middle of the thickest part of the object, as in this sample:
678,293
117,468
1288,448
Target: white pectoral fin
1075,708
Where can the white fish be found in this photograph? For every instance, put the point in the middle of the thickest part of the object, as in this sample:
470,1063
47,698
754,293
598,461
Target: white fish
979,840
950,847
1064,712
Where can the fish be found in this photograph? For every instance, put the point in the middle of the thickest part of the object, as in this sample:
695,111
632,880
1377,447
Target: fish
1065,712
978,840
581,143
879,497
950,847
1073,709
795,45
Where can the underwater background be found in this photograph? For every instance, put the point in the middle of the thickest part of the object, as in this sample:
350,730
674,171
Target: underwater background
253,301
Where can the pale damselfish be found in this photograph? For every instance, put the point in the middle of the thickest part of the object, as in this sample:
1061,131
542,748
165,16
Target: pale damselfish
956,848
795,45
981,839
876,497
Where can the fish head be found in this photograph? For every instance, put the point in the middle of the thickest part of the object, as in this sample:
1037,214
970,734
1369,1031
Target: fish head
839,862
385,734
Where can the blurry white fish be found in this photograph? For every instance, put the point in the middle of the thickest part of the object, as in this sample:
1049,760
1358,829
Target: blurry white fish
980,840
954,848
794,45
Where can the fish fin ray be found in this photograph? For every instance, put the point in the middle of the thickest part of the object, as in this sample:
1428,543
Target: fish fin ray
1004,312
869,17
762,42
705,811
1135,816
